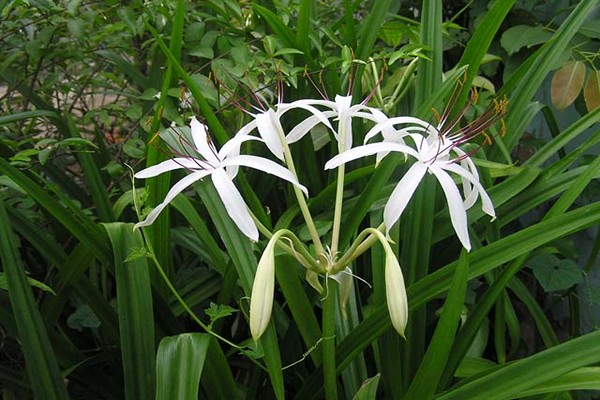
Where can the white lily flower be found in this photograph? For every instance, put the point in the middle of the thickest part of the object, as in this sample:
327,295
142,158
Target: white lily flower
434,154
222,167
341,110
269,126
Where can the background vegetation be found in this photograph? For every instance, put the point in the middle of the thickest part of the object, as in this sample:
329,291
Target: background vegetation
90,309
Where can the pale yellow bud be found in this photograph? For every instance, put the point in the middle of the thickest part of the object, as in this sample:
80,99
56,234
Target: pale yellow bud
261,300
395,292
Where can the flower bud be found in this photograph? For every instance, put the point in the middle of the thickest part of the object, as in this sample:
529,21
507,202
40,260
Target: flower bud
261,300
395,292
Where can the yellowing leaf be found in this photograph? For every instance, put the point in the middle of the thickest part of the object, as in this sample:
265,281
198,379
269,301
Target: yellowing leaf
591,92
567,84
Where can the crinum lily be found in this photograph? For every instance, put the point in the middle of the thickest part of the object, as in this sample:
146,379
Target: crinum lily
434,153
222,166
341,110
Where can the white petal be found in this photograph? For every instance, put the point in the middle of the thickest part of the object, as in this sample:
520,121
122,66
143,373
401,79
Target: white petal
307,105
234,204
202,142
300,130
175,190
232,146
170,165
368,150
390,122
402,194
265,165
458,214
246,129
486,203
271,131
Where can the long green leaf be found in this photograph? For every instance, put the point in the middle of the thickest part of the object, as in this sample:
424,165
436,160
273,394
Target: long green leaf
7,119
428,375
299,304
586,378
566,136
179,363
75,221
512,379
42,366
479,43
91,172
134,304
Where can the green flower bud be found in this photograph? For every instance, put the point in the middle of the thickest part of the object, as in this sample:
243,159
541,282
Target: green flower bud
261,300
395,292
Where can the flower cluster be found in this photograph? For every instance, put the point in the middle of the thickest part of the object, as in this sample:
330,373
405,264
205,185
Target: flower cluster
431,149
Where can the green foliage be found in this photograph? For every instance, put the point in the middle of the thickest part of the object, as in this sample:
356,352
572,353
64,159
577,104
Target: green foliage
93,309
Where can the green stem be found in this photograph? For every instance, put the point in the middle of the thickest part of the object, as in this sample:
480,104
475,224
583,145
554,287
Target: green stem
310,225
337,214
296,248
328,346
362,243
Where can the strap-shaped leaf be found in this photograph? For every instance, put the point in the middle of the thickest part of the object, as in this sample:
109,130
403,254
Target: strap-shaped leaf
179,363
134,304
42,366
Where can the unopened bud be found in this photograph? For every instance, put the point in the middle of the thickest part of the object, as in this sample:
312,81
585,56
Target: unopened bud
395,292
261,300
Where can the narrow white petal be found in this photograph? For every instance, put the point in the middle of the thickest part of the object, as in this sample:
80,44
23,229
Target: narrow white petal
234,204
402,194
368,150
246,129
486,203
304,105
232,146
458,214
265,165
270,130
175,190
300,130
202,141
390,122
169,165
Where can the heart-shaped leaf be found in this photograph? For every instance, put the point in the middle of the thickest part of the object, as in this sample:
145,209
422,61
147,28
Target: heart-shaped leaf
555,274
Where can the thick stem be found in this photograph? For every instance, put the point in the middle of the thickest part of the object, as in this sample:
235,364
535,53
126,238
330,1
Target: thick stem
337,214
312,229
328,346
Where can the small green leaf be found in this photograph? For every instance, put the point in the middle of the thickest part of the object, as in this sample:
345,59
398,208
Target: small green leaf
287,50
517,37
32,282
83,317
555,274
135,148
218,311
136,253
